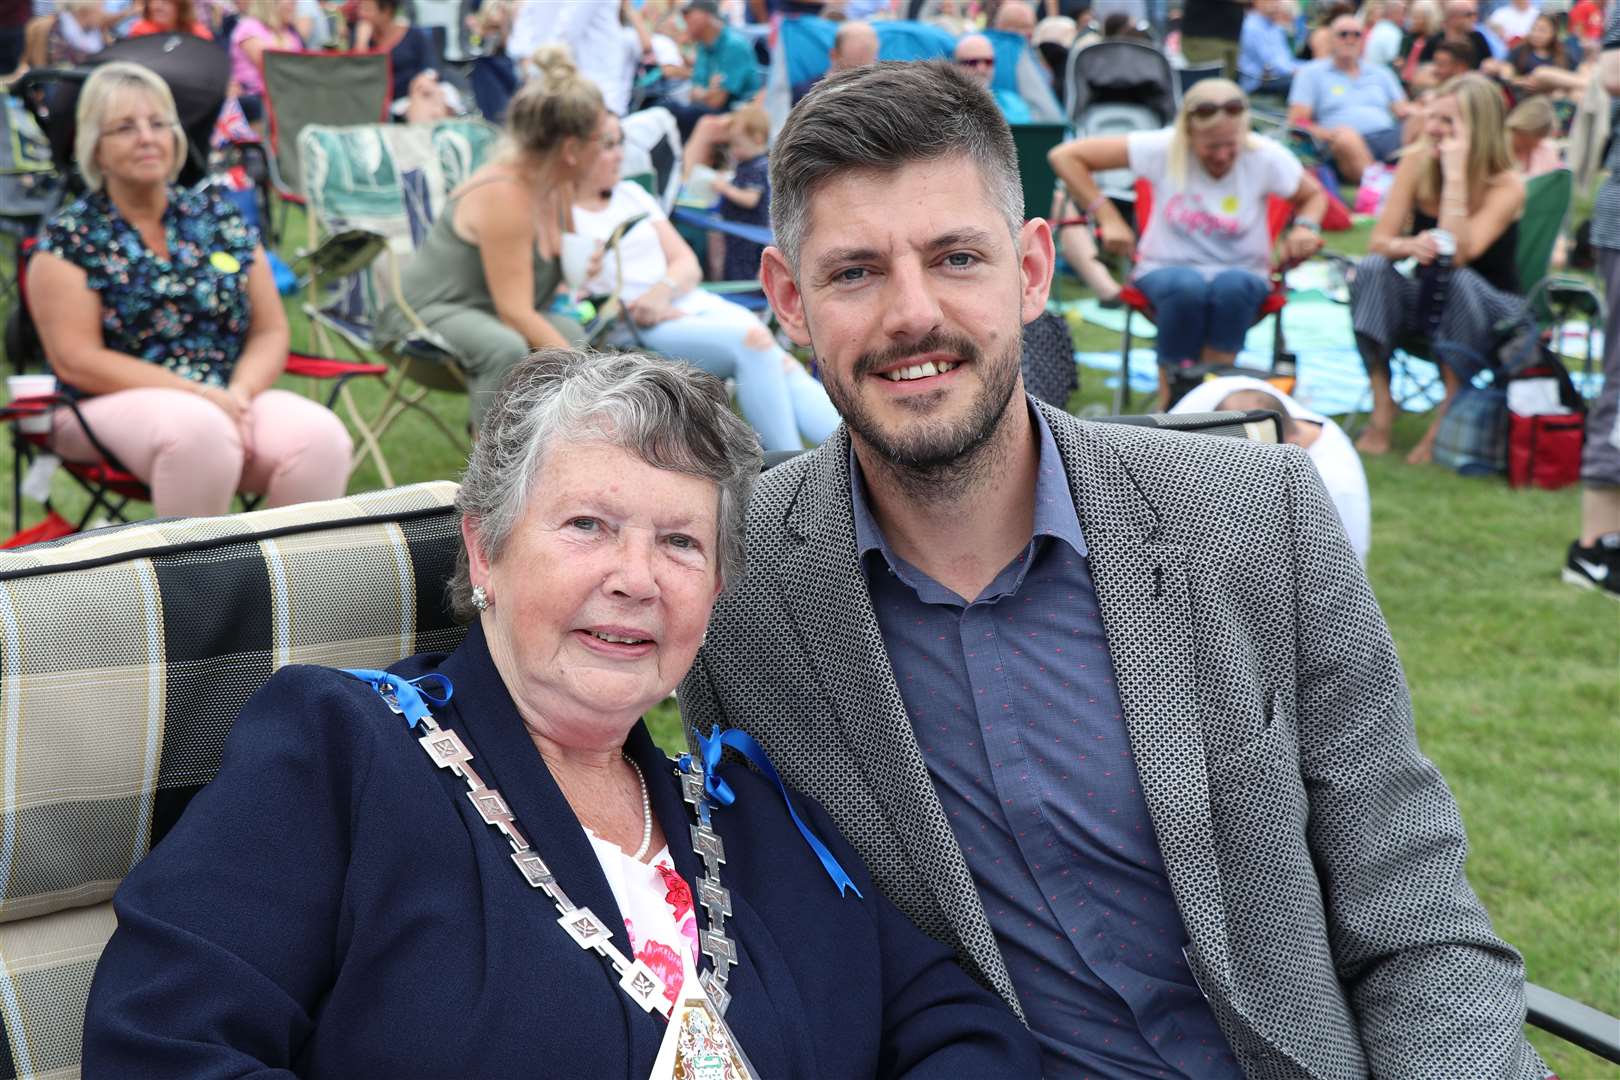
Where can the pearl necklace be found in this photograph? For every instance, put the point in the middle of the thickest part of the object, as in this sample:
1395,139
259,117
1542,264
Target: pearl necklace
646,812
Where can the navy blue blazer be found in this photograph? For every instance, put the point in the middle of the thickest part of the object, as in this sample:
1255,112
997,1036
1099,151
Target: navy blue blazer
332,905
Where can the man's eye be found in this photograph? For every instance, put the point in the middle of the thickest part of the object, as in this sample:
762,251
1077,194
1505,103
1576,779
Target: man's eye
961,260
850,274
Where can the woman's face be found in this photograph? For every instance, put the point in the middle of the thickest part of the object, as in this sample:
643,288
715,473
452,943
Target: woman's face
1525,142
610,155
1440,118
1543,32
371,12
137,144
1217,146
162,12
599,602
581,155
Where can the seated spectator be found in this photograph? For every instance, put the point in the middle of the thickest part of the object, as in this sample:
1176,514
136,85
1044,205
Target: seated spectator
591,32
1469,49
1319,41
1540,64
1512,20
746,197
1586,24
1329,447
656,276
724,72
1530,127
1385,34
1354,108
1266,63
855,44
1459,179
1422,23
264,24
1206,250
977,58
1015,17
165,323
488,270
76,33
167,16
418,94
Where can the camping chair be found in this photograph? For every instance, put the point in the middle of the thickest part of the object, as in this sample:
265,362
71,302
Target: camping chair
373,191
1033,142
1551,301
318,88
1135,302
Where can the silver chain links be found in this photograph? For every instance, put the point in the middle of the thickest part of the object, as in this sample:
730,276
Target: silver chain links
715,897
588,931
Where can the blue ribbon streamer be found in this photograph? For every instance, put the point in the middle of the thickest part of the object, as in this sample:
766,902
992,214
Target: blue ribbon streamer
411,695
712,746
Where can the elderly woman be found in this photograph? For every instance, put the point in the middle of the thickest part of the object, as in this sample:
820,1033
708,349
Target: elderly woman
1205,253
519,900
163,318
490,266
656,275
1456,186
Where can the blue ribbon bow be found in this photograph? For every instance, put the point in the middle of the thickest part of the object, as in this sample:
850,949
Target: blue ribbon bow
710,749
409,696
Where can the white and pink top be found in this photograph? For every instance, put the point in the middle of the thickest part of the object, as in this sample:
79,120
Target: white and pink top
657,907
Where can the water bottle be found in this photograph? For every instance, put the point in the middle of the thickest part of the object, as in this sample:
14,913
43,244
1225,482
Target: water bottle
1434,283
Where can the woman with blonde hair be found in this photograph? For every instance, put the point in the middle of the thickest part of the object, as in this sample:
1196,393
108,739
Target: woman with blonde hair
164,323
1422,23
265,24
490,266
1455,188
1530,128
1205,253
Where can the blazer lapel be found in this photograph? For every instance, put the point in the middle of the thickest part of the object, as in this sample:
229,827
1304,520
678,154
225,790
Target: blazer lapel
825,591
1142,592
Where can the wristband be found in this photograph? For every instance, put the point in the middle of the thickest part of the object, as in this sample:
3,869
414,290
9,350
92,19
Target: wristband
1309,226
1095,205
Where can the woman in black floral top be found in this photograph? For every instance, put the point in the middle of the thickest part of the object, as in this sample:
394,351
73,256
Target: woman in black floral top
157,308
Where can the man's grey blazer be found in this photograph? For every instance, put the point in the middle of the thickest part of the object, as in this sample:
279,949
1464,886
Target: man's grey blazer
1316,856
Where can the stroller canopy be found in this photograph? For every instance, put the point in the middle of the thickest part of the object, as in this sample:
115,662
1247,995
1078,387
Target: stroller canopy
1121,73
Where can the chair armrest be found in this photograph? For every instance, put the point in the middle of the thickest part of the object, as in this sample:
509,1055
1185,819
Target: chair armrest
1570,1020
1256,425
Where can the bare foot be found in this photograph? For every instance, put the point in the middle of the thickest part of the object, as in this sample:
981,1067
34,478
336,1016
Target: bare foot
1374,441
1422,453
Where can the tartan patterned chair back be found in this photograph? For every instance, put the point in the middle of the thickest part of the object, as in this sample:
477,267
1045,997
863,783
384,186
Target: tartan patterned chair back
389,179
125,655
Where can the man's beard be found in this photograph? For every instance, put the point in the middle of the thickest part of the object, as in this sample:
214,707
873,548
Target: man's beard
934,459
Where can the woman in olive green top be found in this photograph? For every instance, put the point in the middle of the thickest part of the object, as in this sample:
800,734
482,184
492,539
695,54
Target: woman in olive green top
485,276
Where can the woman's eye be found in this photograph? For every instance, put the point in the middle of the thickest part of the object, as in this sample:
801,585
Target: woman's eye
583,524
682,542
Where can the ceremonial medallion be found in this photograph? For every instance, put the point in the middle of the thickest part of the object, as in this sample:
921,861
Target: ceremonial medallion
698,1044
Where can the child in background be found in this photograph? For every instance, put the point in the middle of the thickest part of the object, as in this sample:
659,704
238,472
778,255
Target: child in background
1530,128
746,198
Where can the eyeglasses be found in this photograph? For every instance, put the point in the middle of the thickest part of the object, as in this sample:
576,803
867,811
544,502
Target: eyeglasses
1206,109
1347,35
985,63
134,128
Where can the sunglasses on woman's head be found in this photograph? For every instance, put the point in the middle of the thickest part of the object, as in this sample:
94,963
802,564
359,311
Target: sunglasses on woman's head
1205,110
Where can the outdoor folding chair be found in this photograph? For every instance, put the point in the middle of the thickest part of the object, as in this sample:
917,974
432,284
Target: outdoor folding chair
1278,213
383,185
318,88
1033,142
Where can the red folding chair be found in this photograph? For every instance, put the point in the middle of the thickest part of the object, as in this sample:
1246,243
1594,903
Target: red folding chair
1278,213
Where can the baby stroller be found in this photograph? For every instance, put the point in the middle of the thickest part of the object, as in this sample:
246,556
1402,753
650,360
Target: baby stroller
1115,88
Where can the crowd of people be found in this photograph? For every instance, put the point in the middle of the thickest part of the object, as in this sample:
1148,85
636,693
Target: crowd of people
1095,752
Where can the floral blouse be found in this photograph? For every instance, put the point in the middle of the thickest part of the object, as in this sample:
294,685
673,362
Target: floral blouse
656,904
189,312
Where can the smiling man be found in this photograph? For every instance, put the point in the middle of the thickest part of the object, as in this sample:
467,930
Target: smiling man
1109,709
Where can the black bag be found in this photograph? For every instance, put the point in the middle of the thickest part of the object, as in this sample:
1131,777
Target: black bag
1050,372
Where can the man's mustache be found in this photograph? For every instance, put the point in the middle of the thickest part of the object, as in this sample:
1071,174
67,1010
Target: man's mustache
962,349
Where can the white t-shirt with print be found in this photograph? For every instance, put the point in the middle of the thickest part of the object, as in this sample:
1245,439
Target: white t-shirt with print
642,252
1206,224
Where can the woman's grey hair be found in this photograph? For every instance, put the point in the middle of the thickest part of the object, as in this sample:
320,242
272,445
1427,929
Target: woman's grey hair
668,414
881,117
107,82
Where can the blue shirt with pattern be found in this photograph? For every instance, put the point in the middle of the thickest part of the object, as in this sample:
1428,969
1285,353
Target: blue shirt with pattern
189,312
1013,702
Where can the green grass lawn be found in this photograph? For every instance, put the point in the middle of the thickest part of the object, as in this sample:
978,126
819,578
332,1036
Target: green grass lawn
1515,678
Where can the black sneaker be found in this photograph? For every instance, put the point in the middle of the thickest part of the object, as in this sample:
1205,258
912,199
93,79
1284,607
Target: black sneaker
1596,567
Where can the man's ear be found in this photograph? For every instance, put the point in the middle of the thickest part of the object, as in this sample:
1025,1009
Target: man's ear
782,290
1036,260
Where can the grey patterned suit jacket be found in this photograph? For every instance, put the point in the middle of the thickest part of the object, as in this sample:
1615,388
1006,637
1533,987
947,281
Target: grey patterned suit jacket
1315,854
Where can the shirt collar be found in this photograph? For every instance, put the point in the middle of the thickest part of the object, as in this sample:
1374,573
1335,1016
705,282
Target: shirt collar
1055,514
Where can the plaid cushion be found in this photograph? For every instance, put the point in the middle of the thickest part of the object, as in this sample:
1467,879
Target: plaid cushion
125,655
